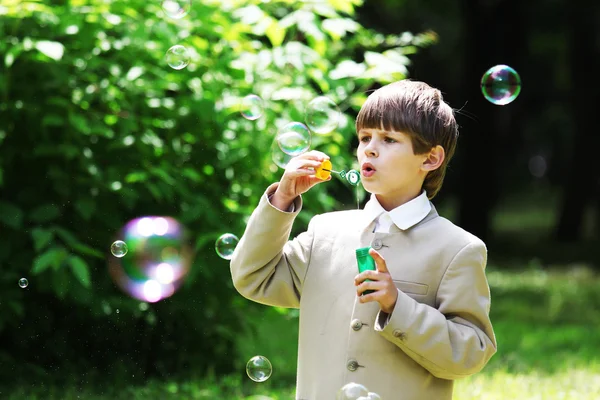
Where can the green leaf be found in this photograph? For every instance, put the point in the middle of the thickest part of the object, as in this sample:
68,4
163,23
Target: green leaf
41,238
163,175
275,33
66,236
80,270
60,283
51,258
192,174
85,207
45,213
53,120
80,123
11,55
11,215
87,250
54,50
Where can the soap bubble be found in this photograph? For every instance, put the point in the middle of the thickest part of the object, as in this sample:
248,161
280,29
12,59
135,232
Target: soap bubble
252,107
259,368
177,57
23,283
176,8
119,248
500,85
225,245
294,138
158,261
280,158
352,391
322,115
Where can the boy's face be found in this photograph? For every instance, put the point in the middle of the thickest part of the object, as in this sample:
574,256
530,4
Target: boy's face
389,167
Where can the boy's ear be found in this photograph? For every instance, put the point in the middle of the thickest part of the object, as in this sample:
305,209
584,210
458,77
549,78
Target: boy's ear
435,158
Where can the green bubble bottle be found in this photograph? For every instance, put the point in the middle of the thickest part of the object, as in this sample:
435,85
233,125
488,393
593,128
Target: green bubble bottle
365,262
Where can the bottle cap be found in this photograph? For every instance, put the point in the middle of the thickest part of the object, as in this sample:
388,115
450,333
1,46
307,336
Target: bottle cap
319,171
362,252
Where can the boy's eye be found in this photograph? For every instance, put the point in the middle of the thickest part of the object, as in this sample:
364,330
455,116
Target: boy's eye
364,139
390,140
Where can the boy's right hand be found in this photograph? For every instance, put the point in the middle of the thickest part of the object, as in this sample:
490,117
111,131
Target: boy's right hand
298,177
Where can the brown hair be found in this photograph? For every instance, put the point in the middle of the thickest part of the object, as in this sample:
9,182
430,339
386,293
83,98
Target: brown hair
418,110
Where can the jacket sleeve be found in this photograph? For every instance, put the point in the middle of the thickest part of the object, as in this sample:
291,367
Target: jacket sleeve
266,266
456,339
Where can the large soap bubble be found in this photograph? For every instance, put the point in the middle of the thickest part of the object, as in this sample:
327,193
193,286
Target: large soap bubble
158,259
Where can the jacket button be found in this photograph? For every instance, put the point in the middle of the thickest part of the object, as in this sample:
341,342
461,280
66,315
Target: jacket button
356,324
377,244
352,365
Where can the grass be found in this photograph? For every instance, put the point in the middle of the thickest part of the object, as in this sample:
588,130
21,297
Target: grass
546,322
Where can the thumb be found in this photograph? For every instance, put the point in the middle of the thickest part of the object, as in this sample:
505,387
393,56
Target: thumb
379,260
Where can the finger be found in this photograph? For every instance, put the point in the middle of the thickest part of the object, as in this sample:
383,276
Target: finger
369,285
369,274
367,298
379,260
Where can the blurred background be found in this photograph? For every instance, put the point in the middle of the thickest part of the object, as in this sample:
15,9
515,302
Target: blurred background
105,127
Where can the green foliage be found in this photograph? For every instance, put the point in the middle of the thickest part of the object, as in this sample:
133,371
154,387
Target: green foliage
96,129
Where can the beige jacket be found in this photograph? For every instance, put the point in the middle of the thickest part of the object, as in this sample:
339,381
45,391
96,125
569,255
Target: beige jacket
439,330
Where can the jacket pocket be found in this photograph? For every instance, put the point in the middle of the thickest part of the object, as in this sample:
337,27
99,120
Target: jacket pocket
412,287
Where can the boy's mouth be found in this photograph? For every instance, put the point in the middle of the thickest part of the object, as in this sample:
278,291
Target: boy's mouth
367,170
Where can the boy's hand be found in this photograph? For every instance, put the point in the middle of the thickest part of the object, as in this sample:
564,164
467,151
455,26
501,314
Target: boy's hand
299,176
385,293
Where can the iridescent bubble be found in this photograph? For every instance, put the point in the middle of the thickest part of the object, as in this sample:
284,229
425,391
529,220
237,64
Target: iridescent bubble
23,283
159,258
225,245
322,115
119,248
500,85
294,138
252,107
177,57
353,177
176,8
280,158
352,391
259,368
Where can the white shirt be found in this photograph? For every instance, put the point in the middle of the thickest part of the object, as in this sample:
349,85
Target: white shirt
403,216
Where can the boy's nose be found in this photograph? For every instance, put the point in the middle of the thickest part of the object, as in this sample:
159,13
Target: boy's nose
370,150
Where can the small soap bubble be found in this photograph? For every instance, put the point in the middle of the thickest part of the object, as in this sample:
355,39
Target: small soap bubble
501,85
23,283
322,115
119,248
225,245
252,107
280,158
294,138
117,311
176,9
352,391
353,177
259,368
177,57
373,396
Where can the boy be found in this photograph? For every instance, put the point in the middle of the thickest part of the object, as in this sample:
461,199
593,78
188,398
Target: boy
427,321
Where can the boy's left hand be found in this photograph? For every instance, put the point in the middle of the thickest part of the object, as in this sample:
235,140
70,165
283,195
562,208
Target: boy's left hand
385,293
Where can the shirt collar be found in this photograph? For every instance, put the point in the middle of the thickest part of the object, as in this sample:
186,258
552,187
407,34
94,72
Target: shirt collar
404,216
